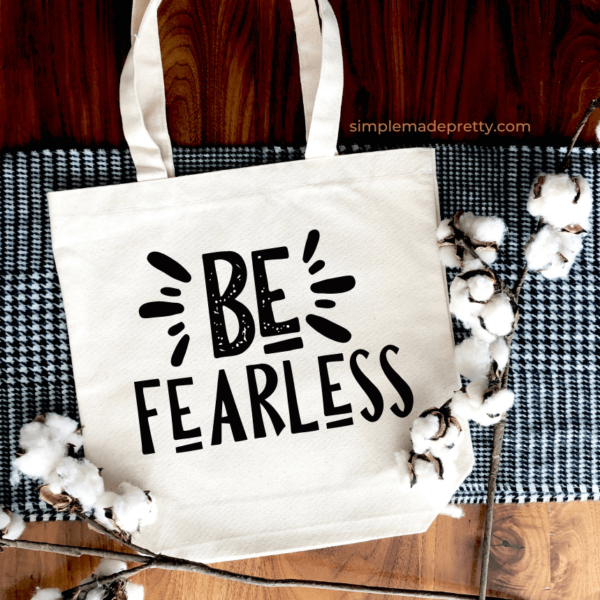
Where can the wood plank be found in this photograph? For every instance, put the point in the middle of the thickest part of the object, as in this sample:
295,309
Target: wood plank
231,69
444,558
575,544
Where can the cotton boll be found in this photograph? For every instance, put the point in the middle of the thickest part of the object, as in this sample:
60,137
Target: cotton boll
460,304
4,519
488,255
489,229
498,315
38,463
481,288
402,469
454,511
132,508
443,230
108,566
63,429
499,352
445,448
555,200
80,479
47,594
598,131
472,264
499,403
472,358
105,501
569,246
45,445
96,594
15,528
483,229
135,591
449,258
428,480
542,249
478,332
422,430
472,408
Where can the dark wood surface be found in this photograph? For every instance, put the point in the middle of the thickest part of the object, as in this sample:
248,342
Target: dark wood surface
539,552
231,69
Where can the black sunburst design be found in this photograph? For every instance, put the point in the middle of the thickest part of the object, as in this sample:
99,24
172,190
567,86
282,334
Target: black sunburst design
152,310
334,285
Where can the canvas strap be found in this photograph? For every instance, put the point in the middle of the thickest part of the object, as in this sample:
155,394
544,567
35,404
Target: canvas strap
142,90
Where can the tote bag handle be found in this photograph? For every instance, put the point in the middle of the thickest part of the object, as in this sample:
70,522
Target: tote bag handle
142,91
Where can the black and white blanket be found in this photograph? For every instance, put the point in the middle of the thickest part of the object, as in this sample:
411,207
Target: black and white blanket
553,432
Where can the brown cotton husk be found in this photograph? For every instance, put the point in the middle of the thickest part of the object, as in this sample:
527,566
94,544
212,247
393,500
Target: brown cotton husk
60,502
446,418
574,229
537,188
428,457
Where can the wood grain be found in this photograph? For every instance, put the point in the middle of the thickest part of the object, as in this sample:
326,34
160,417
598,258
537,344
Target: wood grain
231,69
540,551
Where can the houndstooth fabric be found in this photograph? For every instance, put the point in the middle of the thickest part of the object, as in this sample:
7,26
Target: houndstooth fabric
552,433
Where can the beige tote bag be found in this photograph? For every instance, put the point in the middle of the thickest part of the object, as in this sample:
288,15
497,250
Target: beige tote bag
253,345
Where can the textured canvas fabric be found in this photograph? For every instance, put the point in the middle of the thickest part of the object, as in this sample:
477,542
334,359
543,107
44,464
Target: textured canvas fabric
172,396
551,440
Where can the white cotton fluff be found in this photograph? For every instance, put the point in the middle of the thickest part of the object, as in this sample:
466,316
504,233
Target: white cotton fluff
555,204
499,352
47,594
472,358
569,247
460,303
427,477
445,448
598,131
97,593
79,478
471,264
481,287
15,526
542,248
135,591
498,403
109,566
472,408
553,252
454,511
483,229
4,519
402,470
45,445
449,258
498,315
132,509
422,430
443,230
105,501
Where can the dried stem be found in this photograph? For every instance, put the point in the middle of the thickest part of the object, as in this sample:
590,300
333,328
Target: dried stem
594,104
176,564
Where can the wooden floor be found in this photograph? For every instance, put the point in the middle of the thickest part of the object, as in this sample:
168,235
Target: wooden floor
540,551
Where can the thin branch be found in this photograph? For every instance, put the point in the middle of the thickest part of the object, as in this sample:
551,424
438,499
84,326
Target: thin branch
73,550
594,104
176,564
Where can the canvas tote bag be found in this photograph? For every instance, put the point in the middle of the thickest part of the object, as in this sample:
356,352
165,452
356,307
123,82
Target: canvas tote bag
253,345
